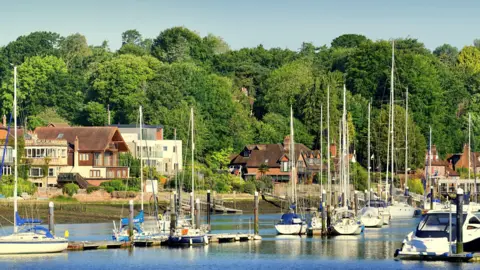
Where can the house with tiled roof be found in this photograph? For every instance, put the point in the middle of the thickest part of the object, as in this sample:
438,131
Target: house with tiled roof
273,160
437,167
84,155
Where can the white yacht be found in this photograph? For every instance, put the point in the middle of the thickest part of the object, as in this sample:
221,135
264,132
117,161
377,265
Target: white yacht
401,209
375,214
344,222
433,235
291,223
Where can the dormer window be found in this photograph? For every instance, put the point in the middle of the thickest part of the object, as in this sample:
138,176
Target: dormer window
284,166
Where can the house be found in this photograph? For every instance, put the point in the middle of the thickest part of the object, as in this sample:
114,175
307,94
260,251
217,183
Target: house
45,159
6,151
460,160
437,167
273,160
92,153
164,155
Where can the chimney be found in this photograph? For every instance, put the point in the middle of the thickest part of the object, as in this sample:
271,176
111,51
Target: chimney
159,134
4,118
450,164
75,155
286,143
333,150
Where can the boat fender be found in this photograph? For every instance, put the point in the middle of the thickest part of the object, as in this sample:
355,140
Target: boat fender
160,217
396,253
66,234
314,222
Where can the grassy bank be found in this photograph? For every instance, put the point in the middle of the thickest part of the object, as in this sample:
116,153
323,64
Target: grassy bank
79,212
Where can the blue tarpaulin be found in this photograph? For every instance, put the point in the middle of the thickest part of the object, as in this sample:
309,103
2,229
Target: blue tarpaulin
137,219
23,221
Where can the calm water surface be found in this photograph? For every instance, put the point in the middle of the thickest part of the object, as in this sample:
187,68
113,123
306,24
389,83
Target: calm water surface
372,250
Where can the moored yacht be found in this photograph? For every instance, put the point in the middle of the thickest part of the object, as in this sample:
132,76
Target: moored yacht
344,222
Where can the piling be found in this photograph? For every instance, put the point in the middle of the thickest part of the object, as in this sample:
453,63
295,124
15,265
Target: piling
431,197
255,215
192,205
51,220
130,220
172,202
197,214
367,201
324,220
175,199
234,199
173,222
459,221
329,218
209,208
335,199
355,201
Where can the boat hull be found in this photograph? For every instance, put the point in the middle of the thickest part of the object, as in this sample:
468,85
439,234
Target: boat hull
32,247
187,240
372,222
291,229
401,211
346,227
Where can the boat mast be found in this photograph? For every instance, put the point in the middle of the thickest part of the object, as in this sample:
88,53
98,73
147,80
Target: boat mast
328,145
469,150
345,158
193,170
141,156
430,162
176,170
406,141
15,203
393,116
368,152
321,150
292,159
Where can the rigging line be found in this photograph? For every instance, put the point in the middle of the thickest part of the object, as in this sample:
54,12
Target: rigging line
6,219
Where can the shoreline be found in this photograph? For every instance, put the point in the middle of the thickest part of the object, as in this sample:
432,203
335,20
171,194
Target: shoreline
99,212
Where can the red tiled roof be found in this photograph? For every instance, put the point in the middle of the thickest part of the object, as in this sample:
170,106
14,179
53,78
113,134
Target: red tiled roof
90,138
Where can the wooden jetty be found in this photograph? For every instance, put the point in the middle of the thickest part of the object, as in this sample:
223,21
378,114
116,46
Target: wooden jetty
160,241
430,256
225,210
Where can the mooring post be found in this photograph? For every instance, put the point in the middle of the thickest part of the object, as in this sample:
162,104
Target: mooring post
458,227
51,221
431,197
324,217
197,214
234,199
355,201
329,219
367,201
175,203
192,205
130,220
209,208
255,214
335,199
172,202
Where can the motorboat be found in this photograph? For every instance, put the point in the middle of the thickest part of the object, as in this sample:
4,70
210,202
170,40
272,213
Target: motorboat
345,223
434,236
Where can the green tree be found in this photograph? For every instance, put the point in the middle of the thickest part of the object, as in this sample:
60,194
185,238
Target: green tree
469,59
34,44
447,54
348,41
95,114
73,49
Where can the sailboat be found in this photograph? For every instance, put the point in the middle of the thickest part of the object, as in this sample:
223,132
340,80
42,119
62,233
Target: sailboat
344,221
397,209
36,239
184,233
290,222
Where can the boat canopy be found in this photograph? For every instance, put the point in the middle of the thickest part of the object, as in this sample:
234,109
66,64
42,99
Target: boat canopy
137,219
22,221
377,203
288,218
37,229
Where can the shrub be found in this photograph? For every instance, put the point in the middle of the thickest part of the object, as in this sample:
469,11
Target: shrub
249,187
70,189
61,198
7,186
92,189
415,186
109,189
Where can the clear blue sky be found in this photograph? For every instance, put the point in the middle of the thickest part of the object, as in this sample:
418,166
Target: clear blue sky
247,23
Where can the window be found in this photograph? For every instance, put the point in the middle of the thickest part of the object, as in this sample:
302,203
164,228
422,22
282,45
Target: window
98,159
285,166
64,153
94,173
166,167
124,173
107,159
29,153
36,172
165,148
175,166
7,170
51,172
119,174
174,149
110,174
83,157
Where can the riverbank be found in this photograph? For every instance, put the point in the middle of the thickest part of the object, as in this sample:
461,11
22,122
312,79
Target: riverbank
97,212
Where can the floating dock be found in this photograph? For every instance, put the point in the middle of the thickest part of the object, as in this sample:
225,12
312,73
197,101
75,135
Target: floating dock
159,241
431,256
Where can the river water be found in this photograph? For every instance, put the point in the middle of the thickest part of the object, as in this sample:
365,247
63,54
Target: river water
372,250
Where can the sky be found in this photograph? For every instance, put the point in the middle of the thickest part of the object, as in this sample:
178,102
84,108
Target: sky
248,23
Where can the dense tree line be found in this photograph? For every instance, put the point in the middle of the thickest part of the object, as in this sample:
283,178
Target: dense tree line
243,96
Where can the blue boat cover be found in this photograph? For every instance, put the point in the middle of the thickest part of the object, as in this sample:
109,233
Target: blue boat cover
288,218
137,219
23,221
42,229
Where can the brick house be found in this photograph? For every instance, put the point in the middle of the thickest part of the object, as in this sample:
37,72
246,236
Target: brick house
276,157
92,153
